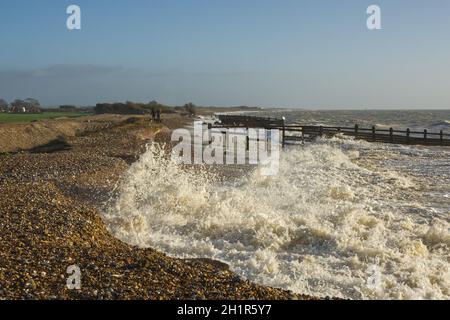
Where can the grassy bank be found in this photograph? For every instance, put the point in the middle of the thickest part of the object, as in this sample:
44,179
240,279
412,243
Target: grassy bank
28,117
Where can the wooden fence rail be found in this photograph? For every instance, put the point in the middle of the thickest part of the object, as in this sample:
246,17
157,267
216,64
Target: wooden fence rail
308,132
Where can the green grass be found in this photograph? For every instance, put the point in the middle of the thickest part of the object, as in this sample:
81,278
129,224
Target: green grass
28,117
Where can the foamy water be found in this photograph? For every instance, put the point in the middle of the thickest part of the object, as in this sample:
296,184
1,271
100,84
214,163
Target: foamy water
342,218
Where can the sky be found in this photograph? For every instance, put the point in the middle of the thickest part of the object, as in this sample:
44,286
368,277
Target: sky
273,53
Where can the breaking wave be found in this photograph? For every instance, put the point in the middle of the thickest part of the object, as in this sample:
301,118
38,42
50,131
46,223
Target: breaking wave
326,225
444,124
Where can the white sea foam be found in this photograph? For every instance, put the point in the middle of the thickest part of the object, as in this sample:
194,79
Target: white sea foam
329,223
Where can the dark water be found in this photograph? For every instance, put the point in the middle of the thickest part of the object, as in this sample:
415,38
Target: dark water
433,120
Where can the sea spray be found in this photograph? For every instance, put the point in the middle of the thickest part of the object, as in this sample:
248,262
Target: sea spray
326,225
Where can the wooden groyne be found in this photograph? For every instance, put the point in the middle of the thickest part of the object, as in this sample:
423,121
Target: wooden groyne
249,121
292,133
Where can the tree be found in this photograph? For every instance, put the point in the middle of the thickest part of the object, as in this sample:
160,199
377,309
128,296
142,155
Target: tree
190,108
32,103
154,103
28,105
119,108
3,105
17,106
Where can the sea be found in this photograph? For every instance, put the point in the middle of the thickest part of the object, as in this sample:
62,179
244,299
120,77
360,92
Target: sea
342,218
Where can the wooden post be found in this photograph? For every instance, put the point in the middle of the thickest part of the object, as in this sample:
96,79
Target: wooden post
391,134
425,133
284,132
321,131
248,140
224,133
209,133
441,136
374,133
356,129
408,134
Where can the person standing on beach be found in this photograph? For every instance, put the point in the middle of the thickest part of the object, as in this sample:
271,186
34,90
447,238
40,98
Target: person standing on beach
153,114
158,115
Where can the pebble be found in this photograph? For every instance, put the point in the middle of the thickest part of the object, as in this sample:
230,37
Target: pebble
49,220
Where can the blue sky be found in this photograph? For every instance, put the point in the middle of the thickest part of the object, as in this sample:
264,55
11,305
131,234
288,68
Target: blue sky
284,53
